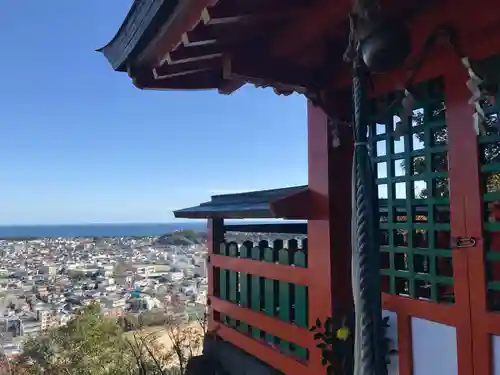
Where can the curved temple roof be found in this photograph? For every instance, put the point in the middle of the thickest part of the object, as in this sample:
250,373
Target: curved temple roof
140,25
290,45
204,44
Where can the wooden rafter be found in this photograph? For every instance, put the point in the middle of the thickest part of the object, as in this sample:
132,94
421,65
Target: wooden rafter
230,33
212,17
256,7
229,86
198,38
269,72
169,37
228,24
201,79
194,53
172,70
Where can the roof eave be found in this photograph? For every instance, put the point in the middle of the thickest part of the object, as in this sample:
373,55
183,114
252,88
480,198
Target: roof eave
137,31
169,34
287,203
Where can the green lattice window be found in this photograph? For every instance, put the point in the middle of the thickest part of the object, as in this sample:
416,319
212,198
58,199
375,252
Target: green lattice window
489,158
413,189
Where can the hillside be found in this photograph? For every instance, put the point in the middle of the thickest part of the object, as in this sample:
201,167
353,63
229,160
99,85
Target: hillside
183,237
193,237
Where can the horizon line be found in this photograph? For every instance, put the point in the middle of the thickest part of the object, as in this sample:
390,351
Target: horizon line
131,223
101,223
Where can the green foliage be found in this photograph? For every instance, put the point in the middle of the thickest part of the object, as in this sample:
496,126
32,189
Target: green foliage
336,340
91,344
336,343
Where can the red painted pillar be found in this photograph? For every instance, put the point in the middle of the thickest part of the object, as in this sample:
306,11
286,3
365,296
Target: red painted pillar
329,252
466,220
215,231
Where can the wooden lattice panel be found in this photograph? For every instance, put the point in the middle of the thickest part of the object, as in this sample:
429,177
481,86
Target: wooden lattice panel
489,159
413,189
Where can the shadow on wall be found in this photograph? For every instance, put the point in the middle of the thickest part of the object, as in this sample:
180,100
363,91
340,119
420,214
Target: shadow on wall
223,358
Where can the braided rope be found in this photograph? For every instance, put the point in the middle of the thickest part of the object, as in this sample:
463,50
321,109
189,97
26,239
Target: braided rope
370,358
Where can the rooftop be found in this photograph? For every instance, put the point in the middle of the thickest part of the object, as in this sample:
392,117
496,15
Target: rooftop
275,203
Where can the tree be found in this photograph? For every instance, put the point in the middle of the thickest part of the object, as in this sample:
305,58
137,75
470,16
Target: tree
89,344
490,153
439,162
92,344
151,357
202,320
186,342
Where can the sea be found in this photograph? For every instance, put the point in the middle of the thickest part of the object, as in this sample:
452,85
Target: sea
98,230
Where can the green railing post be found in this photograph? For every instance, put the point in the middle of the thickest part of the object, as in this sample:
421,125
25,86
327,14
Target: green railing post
224,281
285,300
255,288
245,253
233,251
301,304
270,297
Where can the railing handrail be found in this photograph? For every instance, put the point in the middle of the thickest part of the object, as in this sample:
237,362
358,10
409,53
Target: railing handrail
289,228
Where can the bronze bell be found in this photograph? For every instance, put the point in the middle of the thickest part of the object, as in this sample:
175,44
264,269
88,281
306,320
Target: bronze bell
385,45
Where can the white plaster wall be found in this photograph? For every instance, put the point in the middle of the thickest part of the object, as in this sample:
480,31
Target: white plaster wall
434,348
392,333
495,343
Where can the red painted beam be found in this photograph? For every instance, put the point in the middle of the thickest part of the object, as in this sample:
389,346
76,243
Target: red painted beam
329,237
491,322
290,274
293,207
465,203
273,326
405,347
436,312
285,364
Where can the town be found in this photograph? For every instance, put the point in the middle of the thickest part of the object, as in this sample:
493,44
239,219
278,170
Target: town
44,281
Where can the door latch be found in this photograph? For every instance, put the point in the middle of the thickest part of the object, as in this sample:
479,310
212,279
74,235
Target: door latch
463,242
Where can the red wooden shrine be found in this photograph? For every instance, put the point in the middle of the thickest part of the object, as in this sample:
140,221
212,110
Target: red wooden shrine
442,297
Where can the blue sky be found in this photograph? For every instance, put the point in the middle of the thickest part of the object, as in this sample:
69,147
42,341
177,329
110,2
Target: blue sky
80,144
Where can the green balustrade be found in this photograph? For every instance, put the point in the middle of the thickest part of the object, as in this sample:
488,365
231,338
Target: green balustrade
275,298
